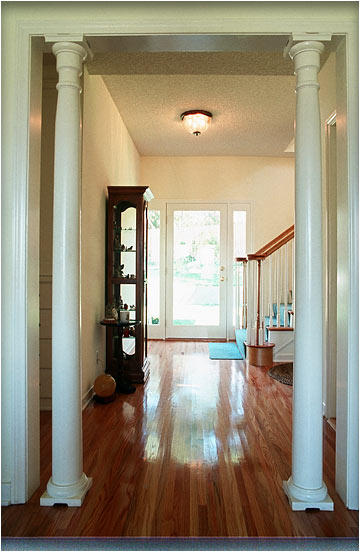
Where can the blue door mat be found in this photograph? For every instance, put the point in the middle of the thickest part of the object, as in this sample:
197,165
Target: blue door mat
224,351
240,336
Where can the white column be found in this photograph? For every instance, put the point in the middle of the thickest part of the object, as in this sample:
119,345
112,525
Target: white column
305,488
68,484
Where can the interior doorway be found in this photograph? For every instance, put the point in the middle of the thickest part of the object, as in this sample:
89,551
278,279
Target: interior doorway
191,274
330,327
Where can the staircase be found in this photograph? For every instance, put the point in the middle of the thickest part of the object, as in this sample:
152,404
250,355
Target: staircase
266,302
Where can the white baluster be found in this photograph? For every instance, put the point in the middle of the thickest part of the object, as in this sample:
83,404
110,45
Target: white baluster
262,294
270,290
246,296
286,290
237,295
293,283
262,291
243,321
278,288
250,319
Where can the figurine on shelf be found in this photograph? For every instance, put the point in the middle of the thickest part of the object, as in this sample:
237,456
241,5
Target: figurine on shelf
117,242
123,247
129,248
119,271
115,313
124,314
108,311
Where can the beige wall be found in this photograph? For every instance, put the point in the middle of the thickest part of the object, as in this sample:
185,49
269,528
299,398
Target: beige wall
267,183
109,159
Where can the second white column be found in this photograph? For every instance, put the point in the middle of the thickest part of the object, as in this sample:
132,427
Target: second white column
305,488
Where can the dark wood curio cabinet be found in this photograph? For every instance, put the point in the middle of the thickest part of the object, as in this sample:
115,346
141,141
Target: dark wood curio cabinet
126,276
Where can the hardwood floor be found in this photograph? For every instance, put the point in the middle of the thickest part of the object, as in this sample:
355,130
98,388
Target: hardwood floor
200,450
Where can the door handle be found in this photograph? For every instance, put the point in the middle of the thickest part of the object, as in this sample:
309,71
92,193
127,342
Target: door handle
222,268
222,278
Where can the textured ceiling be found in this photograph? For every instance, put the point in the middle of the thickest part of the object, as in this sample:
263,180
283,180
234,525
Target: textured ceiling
243,80
191,63
250,93
252,115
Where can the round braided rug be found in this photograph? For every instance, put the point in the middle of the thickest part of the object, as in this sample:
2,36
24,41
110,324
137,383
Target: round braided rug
282,373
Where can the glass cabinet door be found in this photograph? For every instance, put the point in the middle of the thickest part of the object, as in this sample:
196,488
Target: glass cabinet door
124,269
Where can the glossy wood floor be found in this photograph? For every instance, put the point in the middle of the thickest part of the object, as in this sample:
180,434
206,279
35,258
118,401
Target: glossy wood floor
200,450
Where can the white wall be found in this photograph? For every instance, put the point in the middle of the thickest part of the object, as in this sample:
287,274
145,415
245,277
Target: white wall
327,98
109,159
267,183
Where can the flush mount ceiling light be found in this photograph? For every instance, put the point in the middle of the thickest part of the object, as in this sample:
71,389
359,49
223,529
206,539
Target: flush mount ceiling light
196,121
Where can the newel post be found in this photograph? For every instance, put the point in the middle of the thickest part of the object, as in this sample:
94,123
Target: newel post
306,488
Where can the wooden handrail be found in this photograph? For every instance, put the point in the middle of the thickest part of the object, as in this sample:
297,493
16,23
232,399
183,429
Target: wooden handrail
276,243
241,259
256,257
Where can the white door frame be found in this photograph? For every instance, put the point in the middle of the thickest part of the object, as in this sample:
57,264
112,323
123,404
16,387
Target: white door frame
249,248
330,277
158,331
20,200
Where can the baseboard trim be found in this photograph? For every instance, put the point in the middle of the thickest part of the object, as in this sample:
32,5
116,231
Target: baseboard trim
5,494
283,358
200,339
87,397
45,404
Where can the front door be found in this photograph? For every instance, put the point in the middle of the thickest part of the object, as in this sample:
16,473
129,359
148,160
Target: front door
196,271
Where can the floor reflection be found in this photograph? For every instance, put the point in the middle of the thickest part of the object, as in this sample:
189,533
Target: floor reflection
193,428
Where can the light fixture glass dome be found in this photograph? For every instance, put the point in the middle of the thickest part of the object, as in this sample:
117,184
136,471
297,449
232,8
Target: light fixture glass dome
196,121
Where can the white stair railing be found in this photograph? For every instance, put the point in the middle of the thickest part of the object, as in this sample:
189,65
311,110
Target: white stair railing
266,284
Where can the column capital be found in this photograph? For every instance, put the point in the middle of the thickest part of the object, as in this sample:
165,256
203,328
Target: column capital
78,39
69,47
306,57
306,46
295,38
70,57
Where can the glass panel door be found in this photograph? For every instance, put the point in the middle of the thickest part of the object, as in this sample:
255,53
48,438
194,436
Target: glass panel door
238,246
196,272
156,269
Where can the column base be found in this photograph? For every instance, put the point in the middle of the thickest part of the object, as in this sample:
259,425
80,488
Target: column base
298,505
74,494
